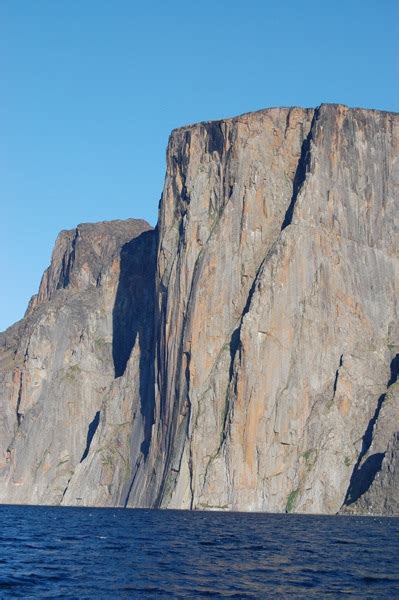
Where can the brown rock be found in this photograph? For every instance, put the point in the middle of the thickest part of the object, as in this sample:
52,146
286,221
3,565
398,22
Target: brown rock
254,335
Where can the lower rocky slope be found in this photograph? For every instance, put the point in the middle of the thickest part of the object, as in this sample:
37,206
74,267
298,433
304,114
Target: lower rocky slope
242,356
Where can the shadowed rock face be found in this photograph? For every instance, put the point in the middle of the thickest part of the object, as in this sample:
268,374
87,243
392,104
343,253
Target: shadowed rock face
380,495
56,365
250,359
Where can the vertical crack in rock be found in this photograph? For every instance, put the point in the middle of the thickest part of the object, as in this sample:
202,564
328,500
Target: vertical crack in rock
300,173
235,340
19,415
67,264
337,375
178,431
90,434
190,468
136,470
363,474
180,161
65,489
234,347
187,413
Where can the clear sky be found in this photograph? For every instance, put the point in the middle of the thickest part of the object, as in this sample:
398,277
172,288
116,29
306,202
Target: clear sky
90,90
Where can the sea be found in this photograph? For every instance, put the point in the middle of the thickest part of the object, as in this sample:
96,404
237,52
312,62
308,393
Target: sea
53,552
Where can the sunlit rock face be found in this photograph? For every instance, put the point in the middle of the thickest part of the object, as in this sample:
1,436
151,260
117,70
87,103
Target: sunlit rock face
242,356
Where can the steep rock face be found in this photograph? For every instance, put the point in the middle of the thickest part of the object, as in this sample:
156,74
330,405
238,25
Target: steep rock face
227,192
277,287
56,366
255,338
119,449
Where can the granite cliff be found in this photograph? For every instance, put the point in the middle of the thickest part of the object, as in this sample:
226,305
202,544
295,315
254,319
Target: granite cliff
244,355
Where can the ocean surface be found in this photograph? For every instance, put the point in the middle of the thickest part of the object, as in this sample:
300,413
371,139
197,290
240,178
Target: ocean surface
51,552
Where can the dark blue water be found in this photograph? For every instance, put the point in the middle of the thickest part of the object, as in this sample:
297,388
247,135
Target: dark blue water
108,553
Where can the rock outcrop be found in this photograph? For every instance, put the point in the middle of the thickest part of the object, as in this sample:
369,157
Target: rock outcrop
242,356
57,364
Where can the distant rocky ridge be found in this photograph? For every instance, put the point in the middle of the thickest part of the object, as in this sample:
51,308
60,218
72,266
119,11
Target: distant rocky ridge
243,355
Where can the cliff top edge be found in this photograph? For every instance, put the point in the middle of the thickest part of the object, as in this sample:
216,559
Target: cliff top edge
323,105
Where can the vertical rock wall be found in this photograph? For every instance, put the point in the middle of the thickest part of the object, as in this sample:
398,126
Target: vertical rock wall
242,356
57,365
277,287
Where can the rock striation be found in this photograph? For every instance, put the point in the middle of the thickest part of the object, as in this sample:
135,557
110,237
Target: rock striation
244,355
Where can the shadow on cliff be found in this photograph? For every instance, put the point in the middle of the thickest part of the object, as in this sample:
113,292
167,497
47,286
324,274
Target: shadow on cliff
364,474
300,173
133,320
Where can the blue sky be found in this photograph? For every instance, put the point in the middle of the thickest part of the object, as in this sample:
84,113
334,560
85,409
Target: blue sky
90,90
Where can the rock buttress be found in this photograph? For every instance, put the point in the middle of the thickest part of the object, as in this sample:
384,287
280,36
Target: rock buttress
57,365
277,316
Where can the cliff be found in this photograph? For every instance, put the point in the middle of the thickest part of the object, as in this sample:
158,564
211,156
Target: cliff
242,356
57,364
